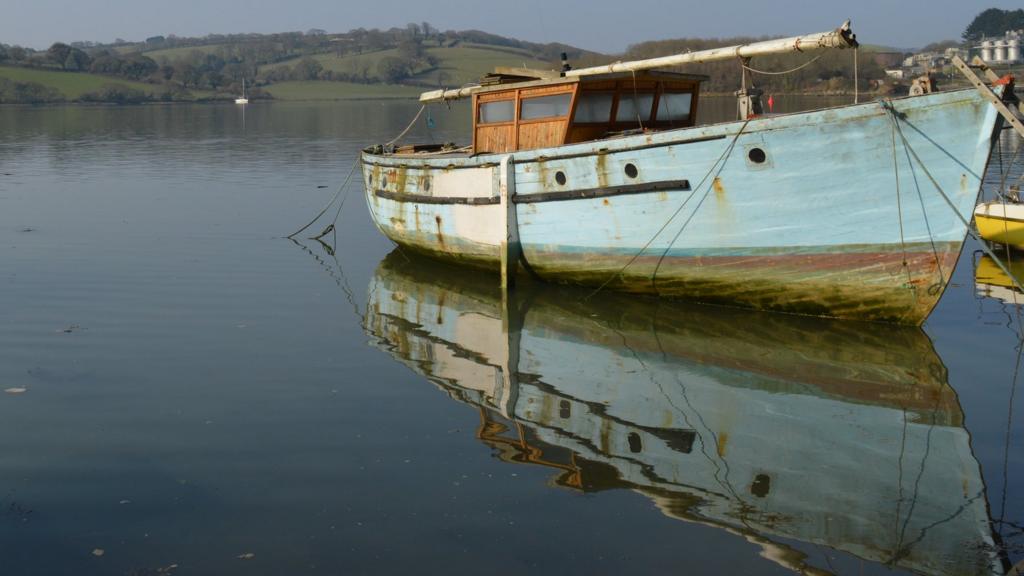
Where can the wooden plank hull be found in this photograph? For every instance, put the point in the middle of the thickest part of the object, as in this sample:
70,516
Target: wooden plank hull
829,213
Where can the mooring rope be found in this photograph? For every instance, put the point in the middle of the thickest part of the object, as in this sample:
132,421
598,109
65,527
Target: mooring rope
899,205
952,206
887,105
720,166
670,218
328,206
407,128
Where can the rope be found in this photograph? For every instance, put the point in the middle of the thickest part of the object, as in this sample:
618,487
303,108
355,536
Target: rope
720,166
887,105
407,128
636,102
804,65
856,83
949,202
670,218
328,206
899,205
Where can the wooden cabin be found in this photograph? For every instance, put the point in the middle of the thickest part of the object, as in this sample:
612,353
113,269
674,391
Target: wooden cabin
525,109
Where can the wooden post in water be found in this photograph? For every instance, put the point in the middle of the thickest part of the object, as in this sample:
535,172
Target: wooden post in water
510,248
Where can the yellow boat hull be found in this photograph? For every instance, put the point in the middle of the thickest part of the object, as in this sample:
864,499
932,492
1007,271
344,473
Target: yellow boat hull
1002,223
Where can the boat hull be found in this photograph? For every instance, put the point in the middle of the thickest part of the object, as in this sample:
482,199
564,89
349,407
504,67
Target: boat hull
835,212
1001,222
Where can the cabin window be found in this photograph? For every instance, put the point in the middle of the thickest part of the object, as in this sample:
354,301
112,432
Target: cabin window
594,107
629,104
545,106
497,111
674,106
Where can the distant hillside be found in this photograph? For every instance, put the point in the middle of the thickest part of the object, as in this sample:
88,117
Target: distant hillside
173,68
441,66
361,63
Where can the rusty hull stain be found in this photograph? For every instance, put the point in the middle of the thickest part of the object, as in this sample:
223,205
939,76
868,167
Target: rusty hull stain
602,170
864,285
722,443
440,235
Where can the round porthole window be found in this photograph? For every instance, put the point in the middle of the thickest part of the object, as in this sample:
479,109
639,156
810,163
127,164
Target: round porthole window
384,182
631,170
757,155
371,179
560,178
426,184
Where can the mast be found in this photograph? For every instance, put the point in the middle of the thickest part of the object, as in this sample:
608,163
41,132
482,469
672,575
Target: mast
840,38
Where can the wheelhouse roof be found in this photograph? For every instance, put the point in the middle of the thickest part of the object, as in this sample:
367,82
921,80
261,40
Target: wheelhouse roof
505,79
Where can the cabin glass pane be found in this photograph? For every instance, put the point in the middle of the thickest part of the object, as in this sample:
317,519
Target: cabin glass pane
545,106
628,104
497,111
674,106
594,107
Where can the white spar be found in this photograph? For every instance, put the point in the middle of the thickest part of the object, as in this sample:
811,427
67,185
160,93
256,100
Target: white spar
842,37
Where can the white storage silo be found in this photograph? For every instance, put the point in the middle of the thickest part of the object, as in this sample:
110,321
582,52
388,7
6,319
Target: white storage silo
1013,50
986,51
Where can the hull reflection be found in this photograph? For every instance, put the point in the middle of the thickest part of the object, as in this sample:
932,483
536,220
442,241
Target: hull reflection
772,427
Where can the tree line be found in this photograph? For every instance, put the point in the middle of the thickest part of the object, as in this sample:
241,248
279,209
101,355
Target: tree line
993,22
218,63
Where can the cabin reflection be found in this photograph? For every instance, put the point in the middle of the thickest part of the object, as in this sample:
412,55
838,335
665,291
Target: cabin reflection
768,426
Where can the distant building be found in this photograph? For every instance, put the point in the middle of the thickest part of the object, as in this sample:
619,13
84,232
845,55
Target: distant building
951,52
1003,50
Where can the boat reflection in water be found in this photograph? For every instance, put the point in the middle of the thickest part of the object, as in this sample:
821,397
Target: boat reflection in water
992,282
771,427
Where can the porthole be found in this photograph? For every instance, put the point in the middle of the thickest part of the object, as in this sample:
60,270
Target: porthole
384,182
631,171
426,184
761,485
635,444
564,409
757,155
560,178
371,179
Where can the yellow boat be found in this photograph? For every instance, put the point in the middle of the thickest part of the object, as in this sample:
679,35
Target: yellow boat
1001,222
992,282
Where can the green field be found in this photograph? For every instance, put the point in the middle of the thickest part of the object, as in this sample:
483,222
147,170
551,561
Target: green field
456,66
71,84
467,63
348,64
174,53
315,90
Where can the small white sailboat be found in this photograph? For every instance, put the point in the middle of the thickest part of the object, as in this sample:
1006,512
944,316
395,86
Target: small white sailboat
242,99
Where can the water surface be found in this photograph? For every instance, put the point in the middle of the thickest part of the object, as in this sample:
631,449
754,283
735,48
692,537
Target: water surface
202,396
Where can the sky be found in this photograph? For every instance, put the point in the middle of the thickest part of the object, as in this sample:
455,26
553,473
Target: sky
603,25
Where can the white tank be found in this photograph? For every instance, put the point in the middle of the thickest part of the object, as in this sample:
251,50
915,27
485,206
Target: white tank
1013,50
999,53
986,51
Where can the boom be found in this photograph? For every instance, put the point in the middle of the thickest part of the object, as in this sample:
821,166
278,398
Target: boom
842,37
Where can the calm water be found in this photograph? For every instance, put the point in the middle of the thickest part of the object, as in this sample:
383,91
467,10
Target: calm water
189,393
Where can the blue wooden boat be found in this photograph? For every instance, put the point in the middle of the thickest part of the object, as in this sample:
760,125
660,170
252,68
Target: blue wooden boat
789,432
601,177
